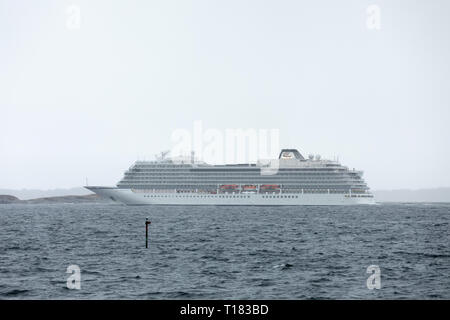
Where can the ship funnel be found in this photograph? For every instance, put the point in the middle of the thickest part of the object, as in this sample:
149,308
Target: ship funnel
290,154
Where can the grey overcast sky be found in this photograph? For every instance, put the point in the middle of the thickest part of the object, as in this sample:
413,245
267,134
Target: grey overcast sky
87,102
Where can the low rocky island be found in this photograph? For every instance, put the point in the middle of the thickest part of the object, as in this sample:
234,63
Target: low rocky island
90,198
4,199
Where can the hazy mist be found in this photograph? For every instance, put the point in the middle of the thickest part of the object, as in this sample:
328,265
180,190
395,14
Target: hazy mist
88,101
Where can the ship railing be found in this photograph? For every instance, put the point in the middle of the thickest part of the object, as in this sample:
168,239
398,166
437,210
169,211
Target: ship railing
349,192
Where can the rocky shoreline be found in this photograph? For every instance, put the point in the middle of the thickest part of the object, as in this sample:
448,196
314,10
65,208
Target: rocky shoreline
90,198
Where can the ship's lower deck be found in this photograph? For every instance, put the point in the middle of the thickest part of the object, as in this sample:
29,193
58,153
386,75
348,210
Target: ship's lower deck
133,197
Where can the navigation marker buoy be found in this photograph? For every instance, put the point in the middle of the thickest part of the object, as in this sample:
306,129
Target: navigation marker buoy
147,222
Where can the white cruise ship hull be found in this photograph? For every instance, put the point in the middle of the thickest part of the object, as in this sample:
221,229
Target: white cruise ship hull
130,197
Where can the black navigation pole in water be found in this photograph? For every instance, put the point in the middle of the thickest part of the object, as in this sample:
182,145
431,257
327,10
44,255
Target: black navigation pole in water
147,222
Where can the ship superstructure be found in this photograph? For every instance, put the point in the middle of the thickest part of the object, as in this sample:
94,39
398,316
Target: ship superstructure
289,180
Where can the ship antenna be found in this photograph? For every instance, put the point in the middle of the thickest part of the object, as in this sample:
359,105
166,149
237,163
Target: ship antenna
164,153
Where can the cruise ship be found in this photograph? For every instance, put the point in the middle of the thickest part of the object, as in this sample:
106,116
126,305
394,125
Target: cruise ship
290,180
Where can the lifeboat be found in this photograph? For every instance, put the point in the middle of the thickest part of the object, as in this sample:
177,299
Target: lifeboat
229,187
270,187
249,188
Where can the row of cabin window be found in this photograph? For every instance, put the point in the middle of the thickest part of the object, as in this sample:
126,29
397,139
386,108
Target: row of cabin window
220,196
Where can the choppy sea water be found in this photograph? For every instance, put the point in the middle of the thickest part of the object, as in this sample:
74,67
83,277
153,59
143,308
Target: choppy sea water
225,252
